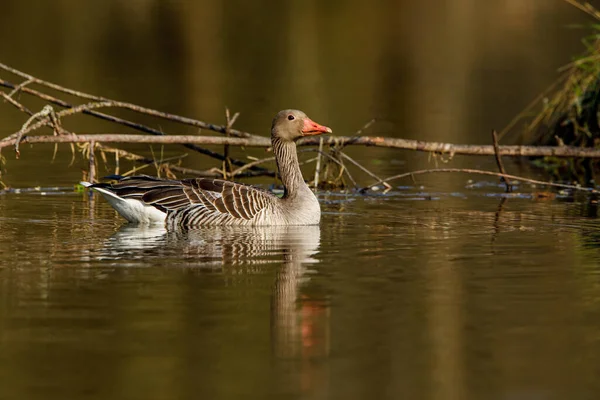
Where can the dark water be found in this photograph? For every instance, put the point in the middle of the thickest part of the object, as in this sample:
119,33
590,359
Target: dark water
466,296
446,291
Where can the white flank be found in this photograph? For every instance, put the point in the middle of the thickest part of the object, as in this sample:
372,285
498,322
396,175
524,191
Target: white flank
130,209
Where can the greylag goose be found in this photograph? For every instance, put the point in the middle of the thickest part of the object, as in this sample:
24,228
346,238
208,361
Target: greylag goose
204,201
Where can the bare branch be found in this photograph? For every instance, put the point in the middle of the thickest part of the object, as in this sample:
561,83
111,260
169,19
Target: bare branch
480,172
499,161
249,165
15,103
133,107
92,161
212,173
359,132
44,113
87,109
365,170
260,141
124,138
20,86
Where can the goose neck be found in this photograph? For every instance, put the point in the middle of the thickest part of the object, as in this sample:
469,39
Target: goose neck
289,168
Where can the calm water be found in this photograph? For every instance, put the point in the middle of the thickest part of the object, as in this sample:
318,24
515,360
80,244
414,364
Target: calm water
462,296
446,291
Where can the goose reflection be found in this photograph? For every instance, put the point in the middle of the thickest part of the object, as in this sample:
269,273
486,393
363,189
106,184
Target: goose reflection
212,246
299,321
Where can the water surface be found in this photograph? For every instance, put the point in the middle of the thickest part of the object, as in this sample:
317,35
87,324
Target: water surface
466,296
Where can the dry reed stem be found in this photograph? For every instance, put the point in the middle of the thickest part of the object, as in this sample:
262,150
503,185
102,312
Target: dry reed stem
563,100
585,7
529,107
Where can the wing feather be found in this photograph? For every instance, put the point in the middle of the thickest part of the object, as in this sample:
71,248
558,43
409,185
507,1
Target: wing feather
193,202
239,201
229,200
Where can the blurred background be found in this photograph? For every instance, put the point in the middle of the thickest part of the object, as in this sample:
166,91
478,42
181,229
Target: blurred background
436,70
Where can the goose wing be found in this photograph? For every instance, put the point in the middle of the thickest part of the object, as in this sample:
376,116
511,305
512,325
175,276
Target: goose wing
196,201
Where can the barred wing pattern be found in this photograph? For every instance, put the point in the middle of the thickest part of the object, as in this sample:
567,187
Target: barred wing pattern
198,202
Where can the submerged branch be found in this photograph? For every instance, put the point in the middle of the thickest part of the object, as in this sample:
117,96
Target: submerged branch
480,172
499,162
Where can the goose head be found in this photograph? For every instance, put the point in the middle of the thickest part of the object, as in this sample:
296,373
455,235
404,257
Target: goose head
291,125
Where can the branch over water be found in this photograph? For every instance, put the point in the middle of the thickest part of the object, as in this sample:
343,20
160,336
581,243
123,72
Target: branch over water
260,141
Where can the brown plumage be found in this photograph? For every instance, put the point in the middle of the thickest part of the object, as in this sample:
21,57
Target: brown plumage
202,201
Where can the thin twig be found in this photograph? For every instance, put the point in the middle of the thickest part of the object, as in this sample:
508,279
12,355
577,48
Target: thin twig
15,103
318,166
20,86
117,162
499,161
27,125
340,163
133,107
121,121
213,173
480,172
64,104
365,170
251,164
358,133
269,159
51,85
229,123
92,161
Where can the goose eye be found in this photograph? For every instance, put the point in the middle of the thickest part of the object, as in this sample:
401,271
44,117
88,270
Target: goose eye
291,117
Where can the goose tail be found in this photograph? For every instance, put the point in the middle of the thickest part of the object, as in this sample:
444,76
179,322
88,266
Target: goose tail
132,210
